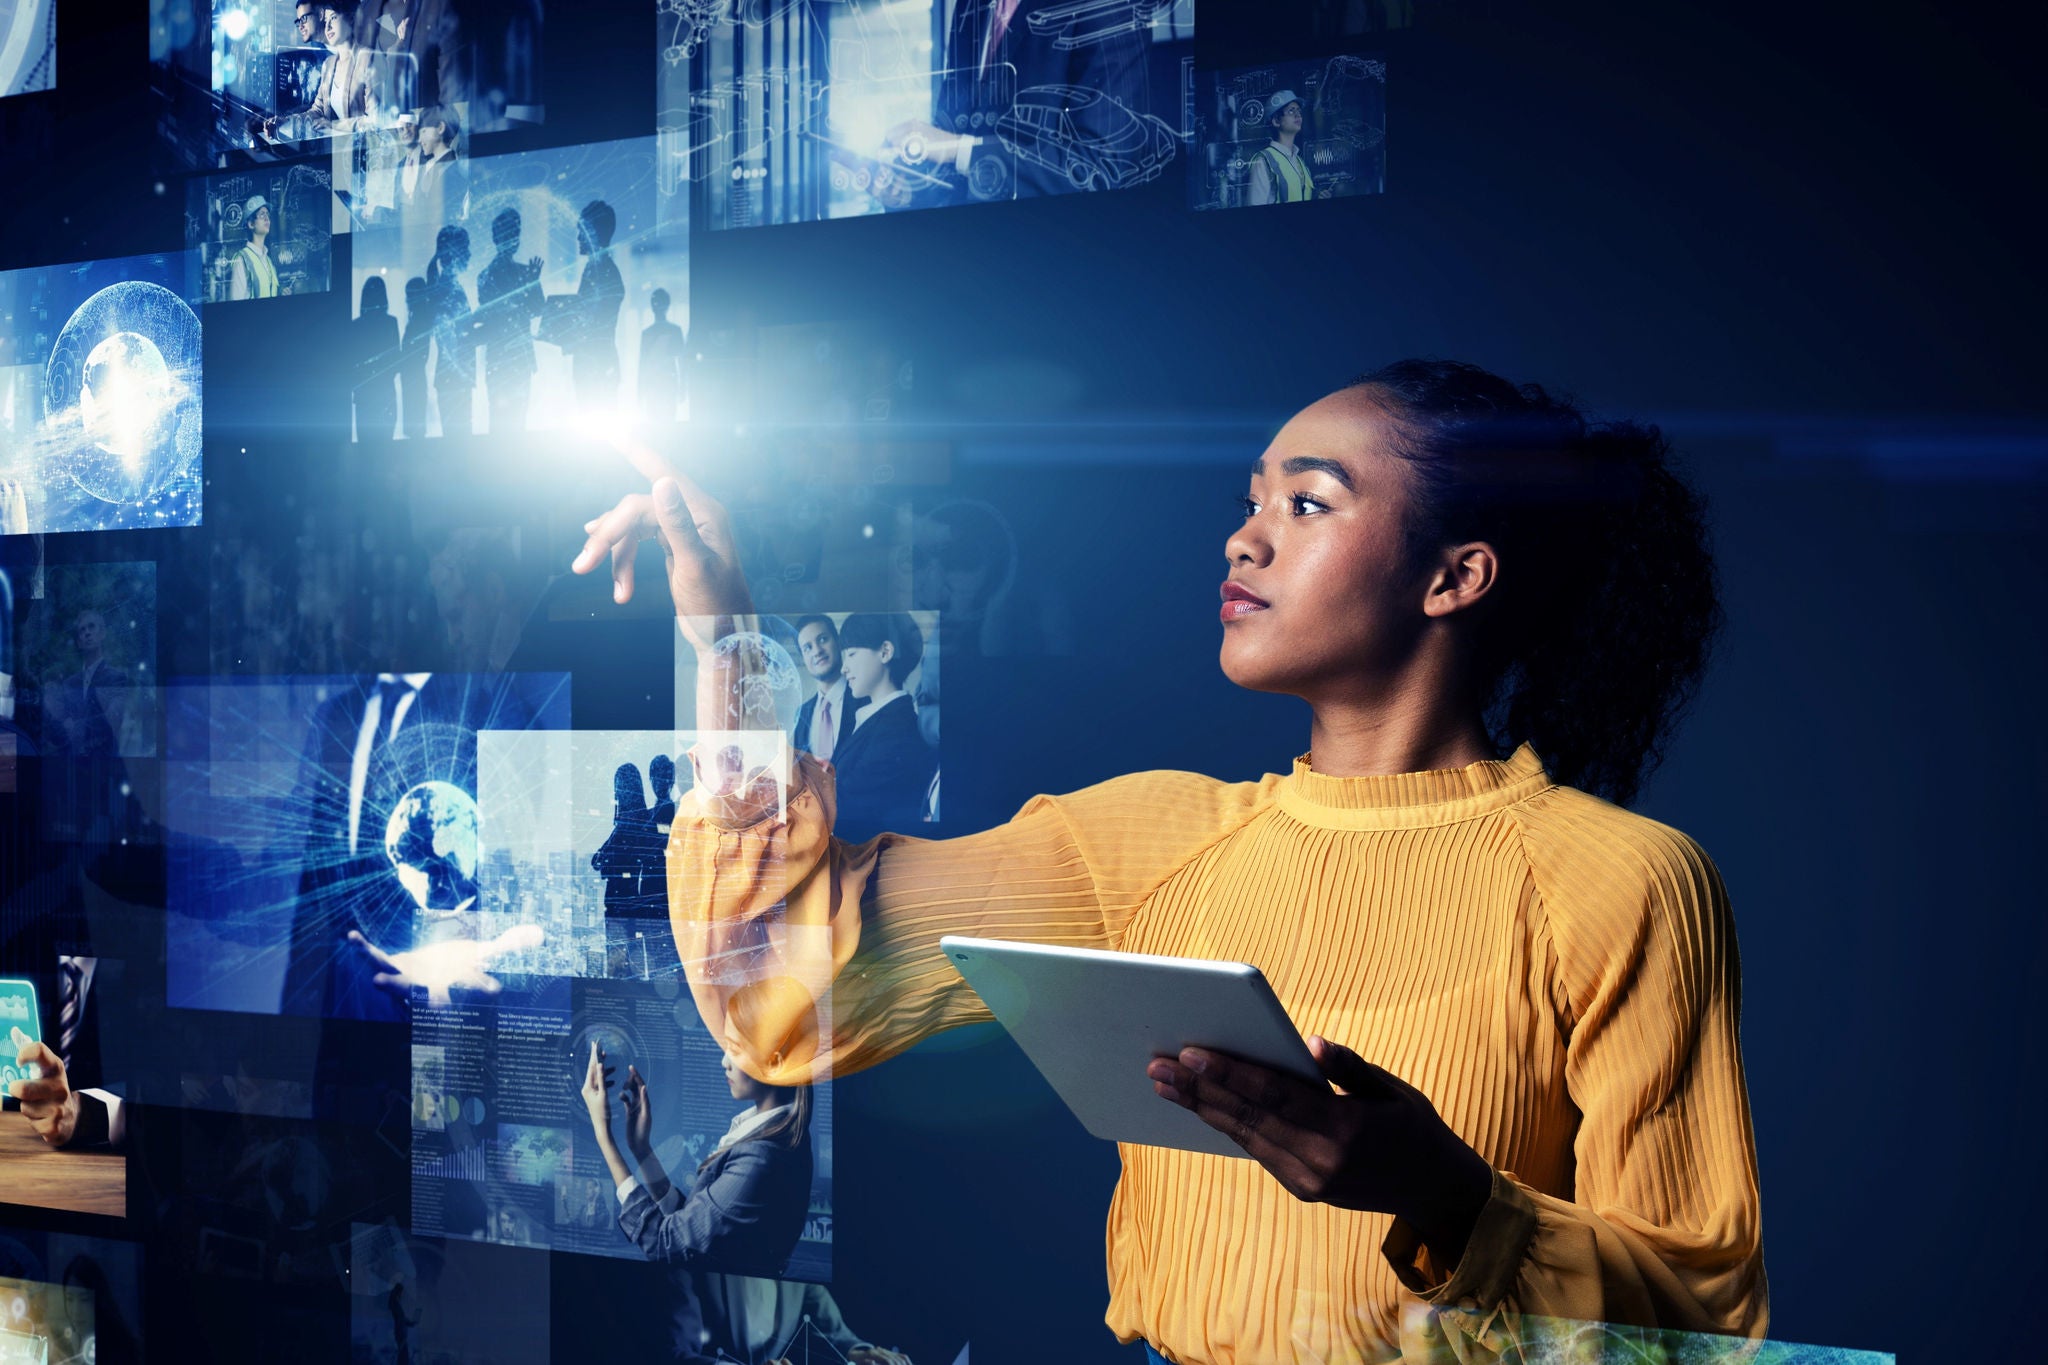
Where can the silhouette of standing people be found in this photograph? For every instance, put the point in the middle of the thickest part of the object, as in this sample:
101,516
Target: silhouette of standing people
412,359
375,333
454,331
633,865
661,775
587,322
660,385
508,300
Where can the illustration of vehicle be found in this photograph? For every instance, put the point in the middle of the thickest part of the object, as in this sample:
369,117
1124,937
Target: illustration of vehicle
1084,135
1093,21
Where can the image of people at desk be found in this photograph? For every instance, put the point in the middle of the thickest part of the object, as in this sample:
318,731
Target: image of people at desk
54,1076
64,1128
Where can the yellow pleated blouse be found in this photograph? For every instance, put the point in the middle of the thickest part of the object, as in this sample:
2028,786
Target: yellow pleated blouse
1557,974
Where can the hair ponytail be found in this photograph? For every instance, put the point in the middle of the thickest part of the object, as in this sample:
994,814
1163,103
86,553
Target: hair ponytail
1597,634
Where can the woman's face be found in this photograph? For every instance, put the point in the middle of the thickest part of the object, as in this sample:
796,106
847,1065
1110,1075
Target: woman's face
1288,120
260,224
866,669
742,1086
1321,547
332,31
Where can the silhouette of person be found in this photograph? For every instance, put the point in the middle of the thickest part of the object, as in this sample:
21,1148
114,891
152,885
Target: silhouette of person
375,333
508,300
587,324
661,363
632,853
661,775
632,863
454,330
412,359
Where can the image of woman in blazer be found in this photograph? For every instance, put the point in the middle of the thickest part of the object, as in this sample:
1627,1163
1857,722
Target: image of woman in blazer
885,770
743,1209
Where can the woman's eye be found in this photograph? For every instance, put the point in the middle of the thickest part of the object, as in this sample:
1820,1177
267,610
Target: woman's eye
1247,506
1303,504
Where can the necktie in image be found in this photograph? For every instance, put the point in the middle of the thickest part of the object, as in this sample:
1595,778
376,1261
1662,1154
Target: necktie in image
70,1005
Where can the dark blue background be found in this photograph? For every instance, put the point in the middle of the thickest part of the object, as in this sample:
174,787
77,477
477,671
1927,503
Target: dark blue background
1808,242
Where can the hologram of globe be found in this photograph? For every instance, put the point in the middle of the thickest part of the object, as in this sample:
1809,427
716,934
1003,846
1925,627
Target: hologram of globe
770,674
128,397
431,840
123,375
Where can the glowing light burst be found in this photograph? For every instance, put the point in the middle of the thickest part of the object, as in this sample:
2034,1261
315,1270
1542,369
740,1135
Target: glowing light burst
613,426
127,397
124,392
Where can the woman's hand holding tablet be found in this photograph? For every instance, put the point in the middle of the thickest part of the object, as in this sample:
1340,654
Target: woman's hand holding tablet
1379,1146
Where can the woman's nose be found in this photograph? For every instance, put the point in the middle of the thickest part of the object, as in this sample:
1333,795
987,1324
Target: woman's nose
1248,544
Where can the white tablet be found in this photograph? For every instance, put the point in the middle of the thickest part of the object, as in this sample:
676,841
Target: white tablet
1091,1022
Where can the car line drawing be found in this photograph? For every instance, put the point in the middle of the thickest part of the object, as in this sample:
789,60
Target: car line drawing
1093,140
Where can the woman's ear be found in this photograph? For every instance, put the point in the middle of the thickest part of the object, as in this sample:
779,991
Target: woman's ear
886,651
1464,575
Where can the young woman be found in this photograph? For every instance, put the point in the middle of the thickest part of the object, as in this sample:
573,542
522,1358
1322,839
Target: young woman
1526,996
252,274
375,336
884,770
744,1209
1278,174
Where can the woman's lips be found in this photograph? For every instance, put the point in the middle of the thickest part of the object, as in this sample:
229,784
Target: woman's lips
1240,602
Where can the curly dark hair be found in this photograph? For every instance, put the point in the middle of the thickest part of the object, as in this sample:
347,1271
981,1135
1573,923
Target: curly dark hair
1595,637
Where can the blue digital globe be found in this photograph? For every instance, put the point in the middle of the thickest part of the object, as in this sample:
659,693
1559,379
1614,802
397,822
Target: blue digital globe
431,840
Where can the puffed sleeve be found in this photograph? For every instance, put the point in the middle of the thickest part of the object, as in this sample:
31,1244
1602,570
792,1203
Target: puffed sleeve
774,918
1661,1227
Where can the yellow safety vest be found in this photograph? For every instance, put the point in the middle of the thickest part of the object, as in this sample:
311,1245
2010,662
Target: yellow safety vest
260,271
1290,173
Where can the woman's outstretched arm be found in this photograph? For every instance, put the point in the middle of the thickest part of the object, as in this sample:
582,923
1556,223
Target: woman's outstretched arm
809,956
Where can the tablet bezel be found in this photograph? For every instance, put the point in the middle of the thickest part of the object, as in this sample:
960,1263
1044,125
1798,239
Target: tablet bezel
1091,1021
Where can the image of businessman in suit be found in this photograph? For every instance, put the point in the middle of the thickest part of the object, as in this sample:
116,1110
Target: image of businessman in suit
379,738
46,939
993,53
825,721
85,710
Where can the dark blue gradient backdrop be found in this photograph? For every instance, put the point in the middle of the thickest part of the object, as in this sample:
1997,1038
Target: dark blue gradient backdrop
1808,242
